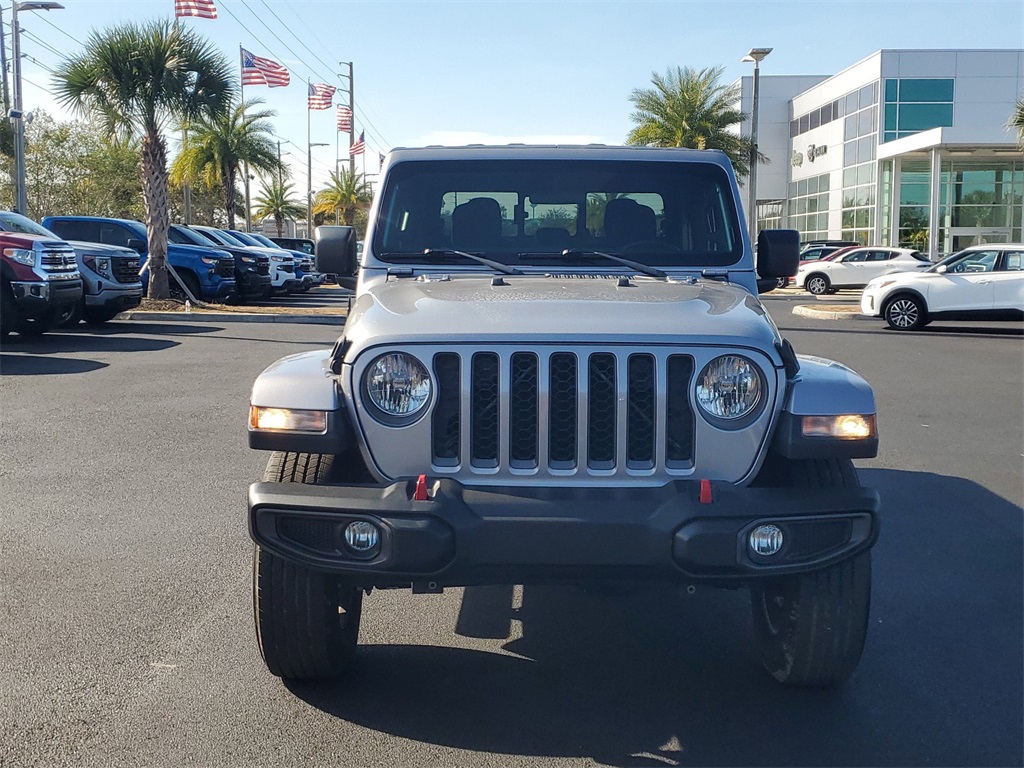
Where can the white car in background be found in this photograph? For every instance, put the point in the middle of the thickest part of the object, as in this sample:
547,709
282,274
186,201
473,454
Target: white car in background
981,282
858,267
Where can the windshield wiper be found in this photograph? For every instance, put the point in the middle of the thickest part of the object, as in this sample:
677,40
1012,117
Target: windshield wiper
572,253
432,254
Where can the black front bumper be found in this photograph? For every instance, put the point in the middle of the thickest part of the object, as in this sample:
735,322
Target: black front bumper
470,536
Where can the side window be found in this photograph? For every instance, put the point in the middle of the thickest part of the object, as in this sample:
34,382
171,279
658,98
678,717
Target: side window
86,231
114,234
975,261
882,255
1012,261
175,236
857,257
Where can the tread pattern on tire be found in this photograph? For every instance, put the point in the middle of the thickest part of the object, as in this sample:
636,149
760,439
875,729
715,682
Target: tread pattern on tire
838,599
302,634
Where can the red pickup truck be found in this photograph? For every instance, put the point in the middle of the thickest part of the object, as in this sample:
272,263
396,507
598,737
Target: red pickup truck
39,279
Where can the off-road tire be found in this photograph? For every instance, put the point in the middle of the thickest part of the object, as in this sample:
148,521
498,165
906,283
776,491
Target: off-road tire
810,628
307,621
37,325
8,312
817,284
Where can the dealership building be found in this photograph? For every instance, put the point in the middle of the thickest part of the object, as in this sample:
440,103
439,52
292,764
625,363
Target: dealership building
906,147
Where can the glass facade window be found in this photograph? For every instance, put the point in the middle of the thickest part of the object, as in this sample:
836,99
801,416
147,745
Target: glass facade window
916,104
834,110
808,207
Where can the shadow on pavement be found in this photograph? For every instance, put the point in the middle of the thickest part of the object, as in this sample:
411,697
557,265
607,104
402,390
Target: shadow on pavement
844,326
33,365
76,342
121,327
657,677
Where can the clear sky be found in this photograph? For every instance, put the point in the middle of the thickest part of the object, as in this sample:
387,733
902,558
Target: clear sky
495,71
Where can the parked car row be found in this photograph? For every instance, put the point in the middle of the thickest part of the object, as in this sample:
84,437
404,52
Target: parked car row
72,268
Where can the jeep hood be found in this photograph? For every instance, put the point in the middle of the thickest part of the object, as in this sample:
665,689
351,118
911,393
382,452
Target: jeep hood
543,308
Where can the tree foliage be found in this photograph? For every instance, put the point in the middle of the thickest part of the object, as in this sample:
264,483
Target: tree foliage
219,145
137,80
76,168
1017,121
345,194
690,108
276,199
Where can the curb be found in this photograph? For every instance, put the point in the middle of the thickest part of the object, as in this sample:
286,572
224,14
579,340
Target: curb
825,314
232,317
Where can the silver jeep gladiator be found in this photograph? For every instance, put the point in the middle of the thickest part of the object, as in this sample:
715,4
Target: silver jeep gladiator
557,370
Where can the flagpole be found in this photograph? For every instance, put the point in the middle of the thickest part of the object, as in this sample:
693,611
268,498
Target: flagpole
309,167
245,166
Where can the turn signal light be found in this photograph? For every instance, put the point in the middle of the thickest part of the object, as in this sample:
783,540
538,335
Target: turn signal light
845,427
287,420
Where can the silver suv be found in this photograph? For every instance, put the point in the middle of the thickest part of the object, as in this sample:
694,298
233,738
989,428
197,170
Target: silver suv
557,369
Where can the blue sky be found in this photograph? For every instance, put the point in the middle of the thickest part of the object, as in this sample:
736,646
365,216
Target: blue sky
494,71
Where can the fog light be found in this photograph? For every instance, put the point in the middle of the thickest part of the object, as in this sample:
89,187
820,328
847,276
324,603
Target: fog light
766,540
362,536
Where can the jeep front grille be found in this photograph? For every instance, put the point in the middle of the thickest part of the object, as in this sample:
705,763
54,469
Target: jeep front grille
591,412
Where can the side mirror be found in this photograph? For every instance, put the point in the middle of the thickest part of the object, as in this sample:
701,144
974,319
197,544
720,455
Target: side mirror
941,269
336,251
136,244
765,285
778,253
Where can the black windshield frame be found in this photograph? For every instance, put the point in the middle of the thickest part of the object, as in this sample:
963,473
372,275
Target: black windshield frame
691,217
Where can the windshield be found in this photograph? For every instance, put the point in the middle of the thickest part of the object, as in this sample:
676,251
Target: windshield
526,212
265,241
217,236
243,238
978,260
15,222
185,236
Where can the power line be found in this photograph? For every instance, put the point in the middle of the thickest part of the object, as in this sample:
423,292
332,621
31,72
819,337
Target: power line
42,17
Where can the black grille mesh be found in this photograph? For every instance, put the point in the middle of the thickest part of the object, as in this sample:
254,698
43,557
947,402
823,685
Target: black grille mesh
446,422
601,412
523,411
562,416
640,411
678,414
484,410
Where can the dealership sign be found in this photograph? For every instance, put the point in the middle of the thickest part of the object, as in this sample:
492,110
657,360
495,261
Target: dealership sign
814,151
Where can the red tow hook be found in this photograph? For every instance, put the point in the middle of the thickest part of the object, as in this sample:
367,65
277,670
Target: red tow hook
421,489
705,491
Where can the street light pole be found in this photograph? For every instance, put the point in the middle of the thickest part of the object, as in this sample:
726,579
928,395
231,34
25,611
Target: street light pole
309,186
17,113
755,55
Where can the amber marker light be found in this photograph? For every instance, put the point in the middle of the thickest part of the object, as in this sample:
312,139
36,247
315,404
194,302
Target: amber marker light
844,427
287,420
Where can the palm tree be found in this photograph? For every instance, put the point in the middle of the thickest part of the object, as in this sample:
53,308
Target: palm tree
689,108
138,79
345,194
1017,121
276,200
220,144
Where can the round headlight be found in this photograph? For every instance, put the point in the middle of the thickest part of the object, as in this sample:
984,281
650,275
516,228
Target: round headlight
397,384
729,388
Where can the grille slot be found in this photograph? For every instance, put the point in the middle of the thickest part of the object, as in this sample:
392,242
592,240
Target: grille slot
562,412
446,417
679,423
640,413
601,422
579,411
522,427
484,404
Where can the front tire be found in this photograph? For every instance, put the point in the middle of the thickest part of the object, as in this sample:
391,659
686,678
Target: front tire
817,284
905,313
810,628
307,621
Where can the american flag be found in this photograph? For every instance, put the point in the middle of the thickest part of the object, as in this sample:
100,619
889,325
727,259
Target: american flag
359,147
204,9
321,95
260,71
344,119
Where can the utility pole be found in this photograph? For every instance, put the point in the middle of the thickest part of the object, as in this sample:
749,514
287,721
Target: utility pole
186,188
3,62
756,55
17,113
352,127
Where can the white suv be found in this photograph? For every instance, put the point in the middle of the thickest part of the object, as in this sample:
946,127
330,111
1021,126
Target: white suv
857,267
981,282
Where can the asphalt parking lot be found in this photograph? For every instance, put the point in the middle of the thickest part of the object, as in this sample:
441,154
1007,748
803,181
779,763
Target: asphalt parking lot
128,637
